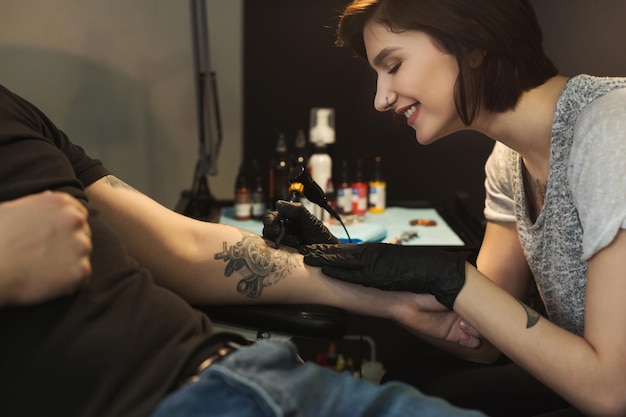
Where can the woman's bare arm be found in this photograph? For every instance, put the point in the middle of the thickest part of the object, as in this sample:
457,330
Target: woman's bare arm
588,371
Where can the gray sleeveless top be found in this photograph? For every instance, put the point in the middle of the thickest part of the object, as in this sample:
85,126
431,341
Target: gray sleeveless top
585,202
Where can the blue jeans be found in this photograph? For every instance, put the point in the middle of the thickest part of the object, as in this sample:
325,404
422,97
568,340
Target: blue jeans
269,379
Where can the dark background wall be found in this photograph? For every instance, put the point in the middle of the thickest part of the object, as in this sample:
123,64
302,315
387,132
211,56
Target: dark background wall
291,65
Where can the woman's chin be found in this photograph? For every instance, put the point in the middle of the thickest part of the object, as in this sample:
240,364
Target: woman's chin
425,139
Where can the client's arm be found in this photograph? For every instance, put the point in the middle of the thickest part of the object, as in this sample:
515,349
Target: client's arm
218,264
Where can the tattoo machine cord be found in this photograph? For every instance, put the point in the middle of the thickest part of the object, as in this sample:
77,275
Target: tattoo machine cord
314,193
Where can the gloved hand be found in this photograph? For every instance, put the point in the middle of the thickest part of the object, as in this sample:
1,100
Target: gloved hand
301,227
393,267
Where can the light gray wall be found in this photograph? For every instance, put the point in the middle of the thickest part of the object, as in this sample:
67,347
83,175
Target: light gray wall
117,76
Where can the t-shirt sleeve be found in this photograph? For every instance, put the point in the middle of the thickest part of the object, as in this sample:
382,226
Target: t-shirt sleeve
88,170
499,202
35,155
597,170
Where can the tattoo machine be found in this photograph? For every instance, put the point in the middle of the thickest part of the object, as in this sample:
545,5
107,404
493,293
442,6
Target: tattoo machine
302,184
295,191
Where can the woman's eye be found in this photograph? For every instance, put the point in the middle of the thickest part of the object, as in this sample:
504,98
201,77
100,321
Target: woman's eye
394,69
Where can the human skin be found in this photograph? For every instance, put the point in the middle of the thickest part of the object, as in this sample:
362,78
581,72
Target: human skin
210,263
45,242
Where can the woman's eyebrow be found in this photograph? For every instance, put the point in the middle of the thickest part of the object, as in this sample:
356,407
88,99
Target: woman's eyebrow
380,57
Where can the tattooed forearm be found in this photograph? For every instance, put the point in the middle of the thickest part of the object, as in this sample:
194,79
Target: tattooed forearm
532,317
260,265
115,182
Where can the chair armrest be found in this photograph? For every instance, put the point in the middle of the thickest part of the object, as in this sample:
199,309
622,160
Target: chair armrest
304,320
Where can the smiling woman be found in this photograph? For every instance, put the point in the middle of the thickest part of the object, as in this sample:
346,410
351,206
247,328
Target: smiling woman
416,78
449,65
487,59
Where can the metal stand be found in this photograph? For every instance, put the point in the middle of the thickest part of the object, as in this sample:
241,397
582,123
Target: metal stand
198,202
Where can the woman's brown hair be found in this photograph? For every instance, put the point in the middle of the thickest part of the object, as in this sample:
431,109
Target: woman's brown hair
505,34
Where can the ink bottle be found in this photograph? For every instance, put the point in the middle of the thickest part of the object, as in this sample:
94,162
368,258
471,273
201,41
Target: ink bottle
243,202
359,192
377,189
279,170
300,156
344,191
257,193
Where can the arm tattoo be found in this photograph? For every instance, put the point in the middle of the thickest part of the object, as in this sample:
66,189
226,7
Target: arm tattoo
260,265
532,317
115,182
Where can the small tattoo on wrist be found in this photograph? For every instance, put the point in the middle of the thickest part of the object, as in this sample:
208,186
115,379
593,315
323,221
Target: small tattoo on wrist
532,317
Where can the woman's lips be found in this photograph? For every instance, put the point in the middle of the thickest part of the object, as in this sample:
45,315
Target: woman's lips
411,113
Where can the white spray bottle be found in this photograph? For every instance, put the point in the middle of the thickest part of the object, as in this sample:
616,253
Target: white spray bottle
321,134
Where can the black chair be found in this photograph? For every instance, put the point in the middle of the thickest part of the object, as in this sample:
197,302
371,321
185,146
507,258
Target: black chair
278,320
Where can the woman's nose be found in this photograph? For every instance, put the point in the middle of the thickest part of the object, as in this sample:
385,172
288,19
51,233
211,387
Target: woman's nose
383,100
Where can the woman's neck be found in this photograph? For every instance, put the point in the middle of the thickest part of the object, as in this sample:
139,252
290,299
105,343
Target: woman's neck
527,129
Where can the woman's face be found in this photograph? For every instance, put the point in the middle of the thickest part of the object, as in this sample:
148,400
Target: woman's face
415,79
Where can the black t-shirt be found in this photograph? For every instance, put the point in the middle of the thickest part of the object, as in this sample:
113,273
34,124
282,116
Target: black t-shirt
114,348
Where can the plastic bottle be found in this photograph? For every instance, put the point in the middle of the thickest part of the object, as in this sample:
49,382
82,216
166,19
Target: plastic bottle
257,195
322,134
359,191
331,355
320,167
377,201
279,169
300,151
243,203
322,126
344,191
341,363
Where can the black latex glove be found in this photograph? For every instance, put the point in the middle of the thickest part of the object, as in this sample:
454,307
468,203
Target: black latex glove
301,227
393,267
